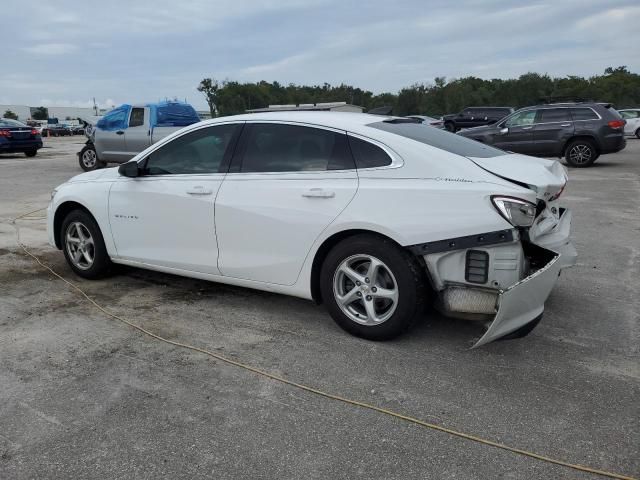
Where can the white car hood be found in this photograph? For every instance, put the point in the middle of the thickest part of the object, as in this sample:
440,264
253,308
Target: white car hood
546,177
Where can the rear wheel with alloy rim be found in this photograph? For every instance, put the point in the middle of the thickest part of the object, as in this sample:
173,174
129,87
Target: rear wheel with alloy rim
83,245
638,133
581,153
372,287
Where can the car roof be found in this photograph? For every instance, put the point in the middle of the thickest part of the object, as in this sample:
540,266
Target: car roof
348,121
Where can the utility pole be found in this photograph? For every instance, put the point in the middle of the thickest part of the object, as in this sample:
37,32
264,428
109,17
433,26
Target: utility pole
95,107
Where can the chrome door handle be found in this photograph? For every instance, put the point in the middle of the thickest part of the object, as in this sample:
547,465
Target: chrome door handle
565,125
318,193
199,191
527,128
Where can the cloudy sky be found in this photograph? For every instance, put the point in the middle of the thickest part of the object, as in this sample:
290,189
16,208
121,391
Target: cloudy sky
66,52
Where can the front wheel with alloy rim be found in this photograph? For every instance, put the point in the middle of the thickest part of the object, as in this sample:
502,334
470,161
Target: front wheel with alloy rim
83,245
638,133
581,153
372,287
88,159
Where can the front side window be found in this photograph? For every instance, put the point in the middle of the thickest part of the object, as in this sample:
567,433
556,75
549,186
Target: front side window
522,119
627,114
201,151
552,115
116,119
137,117
291,148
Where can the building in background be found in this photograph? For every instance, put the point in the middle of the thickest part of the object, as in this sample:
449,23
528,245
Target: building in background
22,111
328,107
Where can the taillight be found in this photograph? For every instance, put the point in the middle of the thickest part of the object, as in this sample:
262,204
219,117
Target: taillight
5,133
615,124
34,132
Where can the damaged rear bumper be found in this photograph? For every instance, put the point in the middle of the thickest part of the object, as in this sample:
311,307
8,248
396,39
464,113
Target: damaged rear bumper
519,277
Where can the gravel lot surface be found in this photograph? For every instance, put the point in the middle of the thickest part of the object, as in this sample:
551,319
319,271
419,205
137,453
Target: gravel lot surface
82,396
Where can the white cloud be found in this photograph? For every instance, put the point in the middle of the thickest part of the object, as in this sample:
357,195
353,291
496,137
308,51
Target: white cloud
51,48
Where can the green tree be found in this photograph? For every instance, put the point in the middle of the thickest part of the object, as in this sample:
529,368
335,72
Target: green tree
10,114
210,88
40,113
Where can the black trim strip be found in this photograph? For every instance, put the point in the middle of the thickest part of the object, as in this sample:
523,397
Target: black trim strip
461,243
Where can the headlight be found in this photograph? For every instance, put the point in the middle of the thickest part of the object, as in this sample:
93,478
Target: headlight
519,213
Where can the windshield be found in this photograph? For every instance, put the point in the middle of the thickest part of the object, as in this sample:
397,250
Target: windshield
7,122
441,139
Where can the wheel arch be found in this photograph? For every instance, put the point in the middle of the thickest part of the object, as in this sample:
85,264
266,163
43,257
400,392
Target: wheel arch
61,212
572,139
330,242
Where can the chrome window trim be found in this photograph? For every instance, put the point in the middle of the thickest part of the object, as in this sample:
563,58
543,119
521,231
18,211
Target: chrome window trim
551,123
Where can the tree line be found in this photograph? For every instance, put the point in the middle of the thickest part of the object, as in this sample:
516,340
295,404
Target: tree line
618,86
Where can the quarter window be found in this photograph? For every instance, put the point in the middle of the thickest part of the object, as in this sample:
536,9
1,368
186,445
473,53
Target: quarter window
201,151
522,118
551,115
368,155
291,148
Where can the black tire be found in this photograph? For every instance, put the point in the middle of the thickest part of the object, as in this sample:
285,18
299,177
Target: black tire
101,264
88,158
450,127
581,153
638,133
31,153
409,280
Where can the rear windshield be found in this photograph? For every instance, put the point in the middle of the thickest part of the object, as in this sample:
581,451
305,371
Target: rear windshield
441,139
7,122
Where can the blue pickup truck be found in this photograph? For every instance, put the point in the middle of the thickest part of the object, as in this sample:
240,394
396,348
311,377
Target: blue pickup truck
128,129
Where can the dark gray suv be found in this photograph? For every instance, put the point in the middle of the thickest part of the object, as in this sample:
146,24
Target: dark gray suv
578,131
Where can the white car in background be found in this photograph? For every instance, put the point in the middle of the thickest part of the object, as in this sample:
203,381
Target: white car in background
372,216
632,116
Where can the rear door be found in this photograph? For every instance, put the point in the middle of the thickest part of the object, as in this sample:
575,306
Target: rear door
516,134
553,127
137,136
287,183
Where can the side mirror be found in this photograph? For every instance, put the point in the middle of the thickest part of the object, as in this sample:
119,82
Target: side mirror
503,131
129,169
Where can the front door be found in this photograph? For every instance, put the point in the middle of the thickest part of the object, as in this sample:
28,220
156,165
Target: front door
109,135
516,135
137,136
286,185
165,217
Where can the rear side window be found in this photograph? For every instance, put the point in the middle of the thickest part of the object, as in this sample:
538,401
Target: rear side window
368,155
549,115
449,142
583,114
290,148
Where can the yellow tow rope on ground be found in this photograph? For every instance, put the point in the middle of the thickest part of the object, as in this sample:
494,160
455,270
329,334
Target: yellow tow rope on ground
307,388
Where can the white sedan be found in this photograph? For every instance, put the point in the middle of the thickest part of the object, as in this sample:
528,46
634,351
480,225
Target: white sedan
372,216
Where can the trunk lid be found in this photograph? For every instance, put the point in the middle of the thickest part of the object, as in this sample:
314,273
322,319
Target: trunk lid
546,177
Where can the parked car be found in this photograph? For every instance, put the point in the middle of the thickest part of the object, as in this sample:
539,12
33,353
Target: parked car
433,122
128,129
16,137
55,130
578,131
373,216
475,117
632,117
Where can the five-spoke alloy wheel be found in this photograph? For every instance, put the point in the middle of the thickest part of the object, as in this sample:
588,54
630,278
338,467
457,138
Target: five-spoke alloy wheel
83,245
372,287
